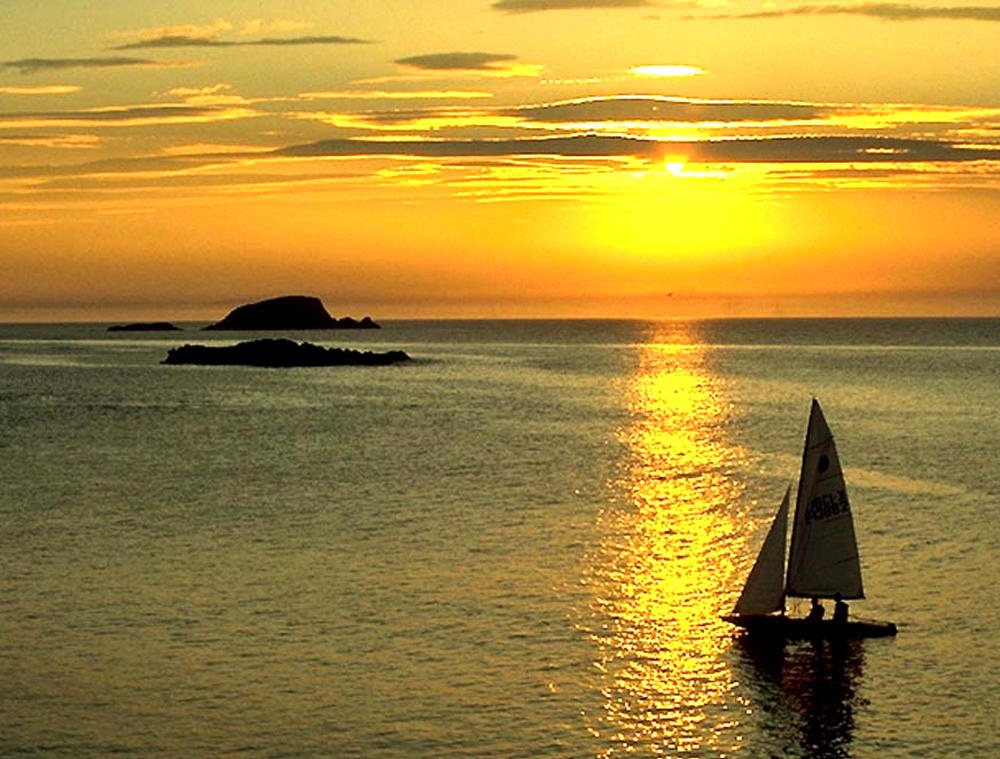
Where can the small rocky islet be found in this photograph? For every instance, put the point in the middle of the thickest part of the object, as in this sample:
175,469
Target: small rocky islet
279,353
145,327
289,312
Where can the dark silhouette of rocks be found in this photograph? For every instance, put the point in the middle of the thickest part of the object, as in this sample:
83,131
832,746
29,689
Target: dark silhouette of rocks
287,313
279,352
144,327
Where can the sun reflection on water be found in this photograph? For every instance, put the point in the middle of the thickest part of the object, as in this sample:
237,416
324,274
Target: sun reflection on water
662,572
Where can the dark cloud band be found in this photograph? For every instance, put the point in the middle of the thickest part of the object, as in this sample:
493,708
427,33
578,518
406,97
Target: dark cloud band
183,40
885,11
457,61
34,65
834,149
668,110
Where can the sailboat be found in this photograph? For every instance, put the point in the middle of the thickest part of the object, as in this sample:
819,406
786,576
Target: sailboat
823,561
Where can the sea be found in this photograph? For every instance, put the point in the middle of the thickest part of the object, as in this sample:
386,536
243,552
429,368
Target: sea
518,544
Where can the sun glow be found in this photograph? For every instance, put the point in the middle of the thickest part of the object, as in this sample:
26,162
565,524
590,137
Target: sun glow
683,215
679,168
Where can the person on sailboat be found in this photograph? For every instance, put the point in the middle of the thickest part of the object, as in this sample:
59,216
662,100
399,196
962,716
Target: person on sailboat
816,611
839,609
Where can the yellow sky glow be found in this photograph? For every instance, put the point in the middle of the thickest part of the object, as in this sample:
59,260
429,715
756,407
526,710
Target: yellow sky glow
168,160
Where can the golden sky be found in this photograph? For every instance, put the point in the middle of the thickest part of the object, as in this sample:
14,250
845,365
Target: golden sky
500,157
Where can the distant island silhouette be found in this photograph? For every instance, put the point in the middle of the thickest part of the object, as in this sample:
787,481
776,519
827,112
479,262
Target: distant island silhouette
144,327
279,353
288,312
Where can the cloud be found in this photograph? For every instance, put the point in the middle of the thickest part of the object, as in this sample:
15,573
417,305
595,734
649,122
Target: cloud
635,115
137,165
60,141
184,40
834,149
458,61
214,150
200,92
179,30
217,95
577,146
837,149
416,119
789,162
138,115
45,89
34,65
328,40
396,95
258,25
172,41
535,6
661,109
884,11
659,118
670,70
462,64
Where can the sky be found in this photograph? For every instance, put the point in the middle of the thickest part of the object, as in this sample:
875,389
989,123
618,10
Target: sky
500,158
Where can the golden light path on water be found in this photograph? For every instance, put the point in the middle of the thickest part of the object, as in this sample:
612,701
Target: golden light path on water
663,571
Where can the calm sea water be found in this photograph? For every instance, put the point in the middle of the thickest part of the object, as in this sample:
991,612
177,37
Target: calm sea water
518,545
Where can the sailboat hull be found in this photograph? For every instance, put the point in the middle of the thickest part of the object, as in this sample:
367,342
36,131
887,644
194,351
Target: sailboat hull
791,628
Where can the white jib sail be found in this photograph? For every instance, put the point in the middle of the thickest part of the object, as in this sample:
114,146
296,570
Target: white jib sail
763,592
823,559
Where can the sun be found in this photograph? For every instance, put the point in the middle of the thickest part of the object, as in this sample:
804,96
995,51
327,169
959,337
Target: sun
675,168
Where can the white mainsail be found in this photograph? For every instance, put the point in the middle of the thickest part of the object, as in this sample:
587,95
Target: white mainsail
823,558
763,592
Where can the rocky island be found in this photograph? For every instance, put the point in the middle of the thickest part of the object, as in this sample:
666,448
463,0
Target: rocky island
279,353
288,312
144,327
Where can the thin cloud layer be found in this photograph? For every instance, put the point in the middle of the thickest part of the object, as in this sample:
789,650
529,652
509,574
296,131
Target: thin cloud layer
633,114
885,11
457,61
821,155
142,115
45,89
396,95
669,118
258,25
834,149
210,36
59,142
216,27
460,64
536,6
36,65
656,71
659,109
184,41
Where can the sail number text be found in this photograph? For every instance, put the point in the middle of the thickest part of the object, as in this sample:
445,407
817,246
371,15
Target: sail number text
826,506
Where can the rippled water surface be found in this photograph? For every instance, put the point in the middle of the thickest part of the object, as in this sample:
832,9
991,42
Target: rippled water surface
517,545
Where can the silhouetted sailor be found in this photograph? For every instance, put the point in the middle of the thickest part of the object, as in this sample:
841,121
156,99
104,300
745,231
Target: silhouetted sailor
816,612
839,609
